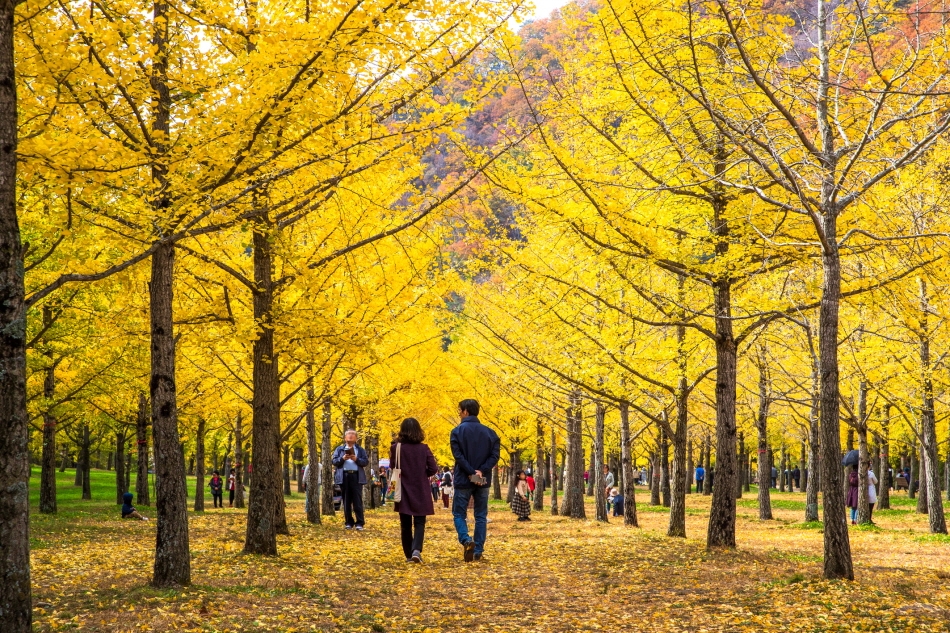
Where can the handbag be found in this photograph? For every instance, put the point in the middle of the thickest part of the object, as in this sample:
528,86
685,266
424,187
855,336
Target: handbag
394,489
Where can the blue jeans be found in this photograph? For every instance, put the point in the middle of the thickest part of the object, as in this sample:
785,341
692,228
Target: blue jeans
460,512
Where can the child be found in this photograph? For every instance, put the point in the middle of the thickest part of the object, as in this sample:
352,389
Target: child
217,487
519,503
128,510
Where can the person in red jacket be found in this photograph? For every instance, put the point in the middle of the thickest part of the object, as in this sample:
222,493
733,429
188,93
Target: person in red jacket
530,481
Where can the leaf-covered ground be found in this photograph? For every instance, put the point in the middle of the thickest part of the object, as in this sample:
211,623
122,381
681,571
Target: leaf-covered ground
91,571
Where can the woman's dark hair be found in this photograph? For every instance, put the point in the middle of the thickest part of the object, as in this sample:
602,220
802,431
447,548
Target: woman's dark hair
518,475
215,472
410,432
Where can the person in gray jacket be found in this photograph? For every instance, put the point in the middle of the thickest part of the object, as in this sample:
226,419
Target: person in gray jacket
350,460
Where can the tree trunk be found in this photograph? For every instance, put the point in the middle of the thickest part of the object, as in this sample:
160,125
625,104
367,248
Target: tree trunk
597,476
553,473
286,472
690,468
239,460
573,502
740,461
325,455
172,555
590,477
266,498
761,427
930,481
313,504
665,468
86,464
629,489
884,489
837,545
298,468
120,488
200,467
655,477
540,467
707,464
814,446
514,461
721,530
48,459
141,436
15,597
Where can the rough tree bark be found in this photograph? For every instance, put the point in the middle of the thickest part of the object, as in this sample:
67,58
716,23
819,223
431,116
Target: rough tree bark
600,498
48,458
864,457
326,452
264,505
721,531
573,502
540,467
120,488
286,470
629,489
85,463
200,466
172,556
761,426
15,593
930,481
239,461
553,474
314,503
141,437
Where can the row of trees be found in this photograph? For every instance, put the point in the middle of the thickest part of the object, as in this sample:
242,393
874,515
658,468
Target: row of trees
731,209
226,225
703,217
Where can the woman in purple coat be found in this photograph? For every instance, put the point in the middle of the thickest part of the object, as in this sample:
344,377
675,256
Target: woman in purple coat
417,464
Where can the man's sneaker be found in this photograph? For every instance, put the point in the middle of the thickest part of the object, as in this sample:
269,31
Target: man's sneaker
347,527
478,557
359,528
468,551
416,557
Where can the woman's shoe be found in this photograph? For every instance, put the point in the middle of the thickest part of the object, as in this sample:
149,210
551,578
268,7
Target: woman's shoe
416,557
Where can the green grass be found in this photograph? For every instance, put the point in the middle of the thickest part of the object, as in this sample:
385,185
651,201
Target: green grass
70,507
778,504
933,538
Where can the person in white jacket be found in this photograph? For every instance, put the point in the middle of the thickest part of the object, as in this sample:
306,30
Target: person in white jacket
872,493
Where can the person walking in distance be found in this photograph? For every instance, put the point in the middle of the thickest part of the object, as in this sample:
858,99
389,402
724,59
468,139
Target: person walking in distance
447,490
476,449
608,480
417,464
700,477
217,487
350,460
231,478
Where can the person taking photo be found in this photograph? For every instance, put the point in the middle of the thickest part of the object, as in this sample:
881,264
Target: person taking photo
350,460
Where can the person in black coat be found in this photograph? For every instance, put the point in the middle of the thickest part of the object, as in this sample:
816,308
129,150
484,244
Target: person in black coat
476,449
416,463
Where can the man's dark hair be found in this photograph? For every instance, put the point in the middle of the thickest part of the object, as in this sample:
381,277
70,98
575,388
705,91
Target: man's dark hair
469,406
410,432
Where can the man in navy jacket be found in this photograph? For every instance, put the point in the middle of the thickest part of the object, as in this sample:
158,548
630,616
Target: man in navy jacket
476,449
350,460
